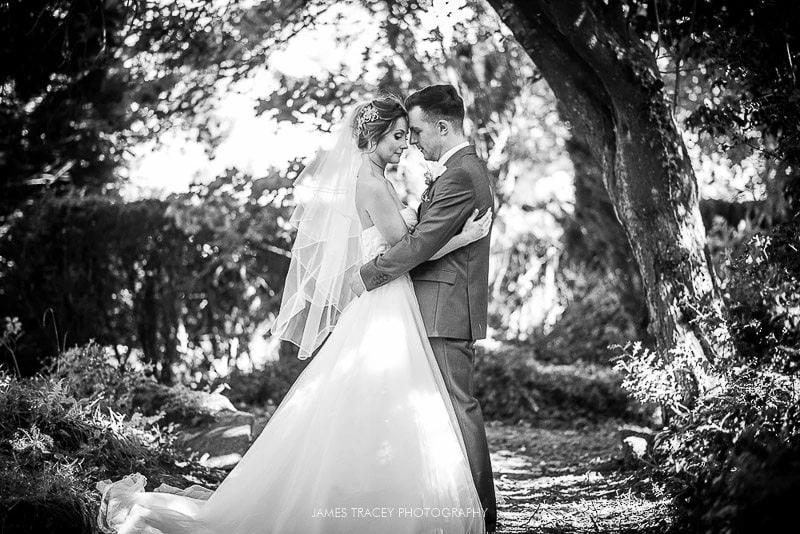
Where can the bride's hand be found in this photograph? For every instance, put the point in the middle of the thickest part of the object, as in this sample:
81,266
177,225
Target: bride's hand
477,227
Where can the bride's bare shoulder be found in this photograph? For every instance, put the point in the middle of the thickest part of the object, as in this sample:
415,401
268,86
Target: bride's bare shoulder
368,197
366,180
369,186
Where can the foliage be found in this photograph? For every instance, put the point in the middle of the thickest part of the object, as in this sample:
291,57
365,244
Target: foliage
765,299
68,107
265,386
91,372
61,105
740,439
9,338
596,318
135,276
527,289
732,67
748,50
733,460
509,381
239,225
56,444
84,80
67,260
512,385
756,489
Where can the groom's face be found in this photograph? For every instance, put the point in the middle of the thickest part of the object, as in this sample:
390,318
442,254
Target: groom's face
424,134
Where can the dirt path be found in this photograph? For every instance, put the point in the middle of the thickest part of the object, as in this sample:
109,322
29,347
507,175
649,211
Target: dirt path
570,481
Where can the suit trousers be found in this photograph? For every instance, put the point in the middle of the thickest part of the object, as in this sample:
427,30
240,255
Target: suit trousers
456,359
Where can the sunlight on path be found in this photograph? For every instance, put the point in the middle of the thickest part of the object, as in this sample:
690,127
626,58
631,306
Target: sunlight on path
569,481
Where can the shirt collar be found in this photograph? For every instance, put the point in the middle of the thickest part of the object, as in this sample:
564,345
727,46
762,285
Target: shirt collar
446,155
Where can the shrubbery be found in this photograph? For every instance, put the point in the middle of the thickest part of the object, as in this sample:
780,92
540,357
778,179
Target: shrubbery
91,372
596,318
765,300
733,459
512,386
510,382
264,386
178,283
61,434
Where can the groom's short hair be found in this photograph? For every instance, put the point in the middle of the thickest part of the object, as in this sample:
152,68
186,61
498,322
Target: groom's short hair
439,102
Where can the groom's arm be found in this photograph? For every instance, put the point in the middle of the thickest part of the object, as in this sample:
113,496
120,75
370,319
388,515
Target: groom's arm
450,208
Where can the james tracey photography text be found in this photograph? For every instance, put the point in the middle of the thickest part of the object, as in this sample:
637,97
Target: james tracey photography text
389,512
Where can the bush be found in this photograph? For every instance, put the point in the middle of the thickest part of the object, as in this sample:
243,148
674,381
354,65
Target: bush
267,385
512,386
509,383
765,299
132,275
91,373
60,435
732,458
596,319
755,491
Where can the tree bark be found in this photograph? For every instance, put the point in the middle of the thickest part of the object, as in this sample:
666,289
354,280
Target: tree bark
602,237
611,91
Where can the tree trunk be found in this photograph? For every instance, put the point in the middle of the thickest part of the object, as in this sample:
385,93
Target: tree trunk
609,86
168,304
602,237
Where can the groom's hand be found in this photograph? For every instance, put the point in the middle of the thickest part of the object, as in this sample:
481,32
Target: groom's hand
357,284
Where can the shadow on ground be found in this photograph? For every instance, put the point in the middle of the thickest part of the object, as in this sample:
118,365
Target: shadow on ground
571,480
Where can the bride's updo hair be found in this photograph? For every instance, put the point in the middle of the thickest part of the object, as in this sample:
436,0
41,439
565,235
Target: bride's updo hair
376,118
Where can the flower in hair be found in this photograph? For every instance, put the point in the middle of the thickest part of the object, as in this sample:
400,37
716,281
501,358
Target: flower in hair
368,114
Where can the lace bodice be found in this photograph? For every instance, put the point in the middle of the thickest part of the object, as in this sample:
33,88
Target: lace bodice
373,243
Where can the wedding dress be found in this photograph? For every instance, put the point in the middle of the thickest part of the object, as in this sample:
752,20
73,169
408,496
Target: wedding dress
366,441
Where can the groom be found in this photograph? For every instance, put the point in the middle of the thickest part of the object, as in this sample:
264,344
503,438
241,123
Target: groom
453,290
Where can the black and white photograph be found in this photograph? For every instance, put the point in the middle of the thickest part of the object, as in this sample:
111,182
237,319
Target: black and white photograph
399,266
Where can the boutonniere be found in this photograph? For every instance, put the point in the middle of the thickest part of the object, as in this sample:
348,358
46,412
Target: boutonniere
434,171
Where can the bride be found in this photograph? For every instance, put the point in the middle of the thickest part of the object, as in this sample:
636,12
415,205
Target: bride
366,440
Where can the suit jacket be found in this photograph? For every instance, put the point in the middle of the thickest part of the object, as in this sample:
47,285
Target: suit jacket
453,290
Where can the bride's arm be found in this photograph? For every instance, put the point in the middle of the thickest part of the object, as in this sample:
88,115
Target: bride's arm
379,205
384,215
474,229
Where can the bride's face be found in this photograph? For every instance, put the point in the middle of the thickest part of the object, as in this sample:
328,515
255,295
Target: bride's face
391,146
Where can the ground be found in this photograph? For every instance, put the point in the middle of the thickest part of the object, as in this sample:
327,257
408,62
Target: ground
568,478
571,480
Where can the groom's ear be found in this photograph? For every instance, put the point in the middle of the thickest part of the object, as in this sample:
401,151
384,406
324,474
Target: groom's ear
442,126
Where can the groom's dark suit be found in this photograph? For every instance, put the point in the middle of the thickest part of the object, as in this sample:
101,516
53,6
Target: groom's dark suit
452,293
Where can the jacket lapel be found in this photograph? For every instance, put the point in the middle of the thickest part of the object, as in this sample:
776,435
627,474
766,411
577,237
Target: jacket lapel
451,162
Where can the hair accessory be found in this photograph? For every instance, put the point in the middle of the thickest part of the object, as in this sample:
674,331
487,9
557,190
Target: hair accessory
368,114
